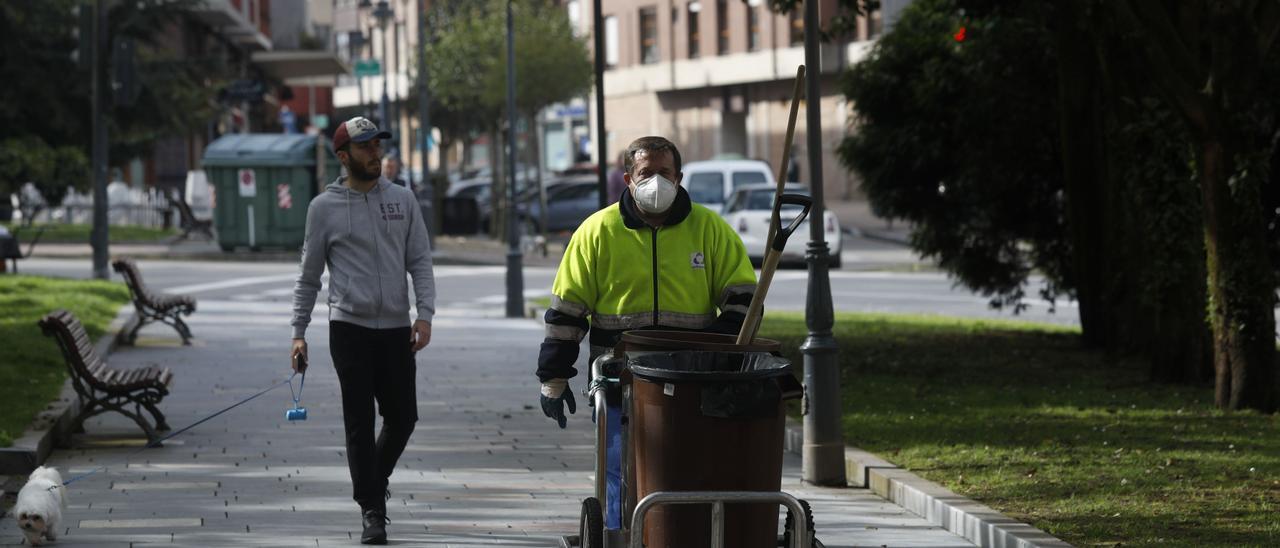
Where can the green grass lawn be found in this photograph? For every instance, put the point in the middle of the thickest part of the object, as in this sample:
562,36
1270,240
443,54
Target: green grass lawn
1075,442
79,234
31,366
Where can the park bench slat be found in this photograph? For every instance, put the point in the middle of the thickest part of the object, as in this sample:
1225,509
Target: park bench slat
102,388
153,307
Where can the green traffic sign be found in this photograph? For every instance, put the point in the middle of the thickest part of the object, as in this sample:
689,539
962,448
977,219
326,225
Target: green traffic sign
368,67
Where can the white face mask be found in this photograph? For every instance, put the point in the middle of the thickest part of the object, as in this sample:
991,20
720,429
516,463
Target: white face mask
655,194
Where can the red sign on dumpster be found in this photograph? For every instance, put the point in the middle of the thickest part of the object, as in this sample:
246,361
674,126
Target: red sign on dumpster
248,183
284,200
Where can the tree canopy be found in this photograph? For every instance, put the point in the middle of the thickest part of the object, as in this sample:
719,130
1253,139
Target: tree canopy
47,105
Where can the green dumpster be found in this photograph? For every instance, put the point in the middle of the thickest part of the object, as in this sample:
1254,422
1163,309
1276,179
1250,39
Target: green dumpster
262,184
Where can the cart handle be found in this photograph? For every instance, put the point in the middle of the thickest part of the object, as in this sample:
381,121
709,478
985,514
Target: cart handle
717,500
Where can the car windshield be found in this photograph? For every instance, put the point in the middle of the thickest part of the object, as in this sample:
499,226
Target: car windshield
763,199
743,178
471,191
706,188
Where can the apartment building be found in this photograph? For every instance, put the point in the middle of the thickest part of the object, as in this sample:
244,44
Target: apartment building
716,76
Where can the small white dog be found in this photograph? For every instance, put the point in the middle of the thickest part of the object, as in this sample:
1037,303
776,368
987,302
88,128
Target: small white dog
40,504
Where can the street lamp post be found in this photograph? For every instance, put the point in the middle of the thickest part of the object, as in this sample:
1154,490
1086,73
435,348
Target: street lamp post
98,237
515,278
597,20
823,452
384,14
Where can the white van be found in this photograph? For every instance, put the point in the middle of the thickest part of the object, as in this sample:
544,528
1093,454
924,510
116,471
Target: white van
711,182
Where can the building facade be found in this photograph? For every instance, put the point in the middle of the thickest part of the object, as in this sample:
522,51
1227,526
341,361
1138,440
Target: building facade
716,77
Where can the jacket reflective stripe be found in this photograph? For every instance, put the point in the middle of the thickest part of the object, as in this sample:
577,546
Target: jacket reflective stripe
645,319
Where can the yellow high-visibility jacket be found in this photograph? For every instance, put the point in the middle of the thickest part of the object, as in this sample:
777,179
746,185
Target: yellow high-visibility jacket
627,275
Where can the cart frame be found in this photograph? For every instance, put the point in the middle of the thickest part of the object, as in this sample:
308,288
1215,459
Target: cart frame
632,534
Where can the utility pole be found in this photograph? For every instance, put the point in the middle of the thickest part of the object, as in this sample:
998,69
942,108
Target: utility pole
358,47
424,121
823,452
384,14
515,278
98,237
602,171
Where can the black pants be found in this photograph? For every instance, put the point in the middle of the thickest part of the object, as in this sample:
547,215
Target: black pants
374,365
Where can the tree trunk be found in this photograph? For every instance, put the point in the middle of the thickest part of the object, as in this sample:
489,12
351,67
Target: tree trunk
440,184
1084,173
1241,292
498,185
536,143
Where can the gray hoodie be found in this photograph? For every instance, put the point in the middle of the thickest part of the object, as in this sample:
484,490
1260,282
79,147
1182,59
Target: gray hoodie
368,241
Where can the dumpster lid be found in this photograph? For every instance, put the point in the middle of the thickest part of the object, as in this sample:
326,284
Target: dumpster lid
262,149
707,366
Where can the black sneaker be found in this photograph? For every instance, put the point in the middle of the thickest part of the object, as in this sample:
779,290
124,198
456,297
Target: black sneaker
375,527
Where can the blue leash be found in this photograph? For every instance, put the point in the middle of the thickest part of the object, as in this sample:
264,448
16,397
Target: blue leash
288,381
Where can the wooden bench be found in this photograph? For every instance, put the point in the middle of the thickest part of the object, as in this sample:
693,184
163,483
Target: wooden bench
102,388
152,307
188,219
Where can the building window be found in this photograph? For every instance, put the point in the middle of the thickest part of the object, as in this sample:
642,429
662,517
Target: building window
575,16
875,25
753,28
695,39
722,27
610,41
648,36
797,26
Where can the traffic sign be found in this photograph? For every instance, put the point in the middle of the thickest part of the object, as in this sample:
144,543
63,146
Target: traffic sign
368,67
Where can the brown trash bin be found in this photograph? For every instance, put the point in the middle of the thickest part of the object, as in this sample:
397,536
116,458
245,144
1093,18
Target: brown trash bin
704,420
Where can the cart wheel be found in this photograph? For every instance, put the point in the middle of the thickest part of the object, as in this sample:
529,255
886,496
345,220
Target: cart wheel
790,524
591,525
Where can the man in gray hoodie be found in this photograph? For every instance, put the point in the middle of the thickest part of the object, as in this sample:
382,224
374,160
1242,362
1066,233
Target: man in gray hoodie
368,232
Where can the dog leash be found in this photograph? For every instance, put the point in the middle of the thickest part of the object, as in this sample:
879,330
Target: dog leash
171,435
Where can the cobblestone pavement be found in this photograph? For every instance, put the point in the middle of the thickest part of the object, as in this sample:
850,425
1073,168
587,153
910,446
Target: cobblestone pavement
484,467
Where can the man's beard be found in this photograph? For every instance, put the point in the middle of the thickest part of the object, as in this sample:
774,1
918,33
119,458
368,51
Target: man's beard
359,171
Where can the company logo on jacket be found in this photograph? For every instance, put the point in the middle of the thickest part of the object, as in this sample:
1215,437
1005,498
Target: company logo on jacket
392,211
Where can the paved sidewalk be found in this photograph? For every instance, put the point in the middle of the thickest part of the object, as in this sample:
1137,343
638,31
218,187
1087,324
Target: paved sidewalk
484,467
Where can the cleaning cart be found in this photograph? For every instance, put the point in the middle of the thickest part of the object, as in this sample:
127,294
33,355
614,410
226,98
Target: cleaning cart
689,429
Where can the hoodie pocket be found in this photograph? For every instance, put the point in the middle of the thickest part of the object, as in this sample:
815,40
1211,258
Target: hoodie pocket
397,289
355,299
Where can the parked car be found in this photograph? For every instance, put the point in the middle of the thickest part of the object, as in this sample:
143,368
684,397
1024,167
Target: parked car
569,202
751,208
712,182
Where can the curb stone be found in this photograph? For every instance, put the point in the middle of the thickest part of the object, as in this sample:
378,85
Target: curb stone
976,522
52,424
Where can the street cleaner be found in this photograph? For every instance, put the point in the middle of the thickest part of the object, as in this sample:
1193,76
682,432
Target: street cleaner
368,232
654,260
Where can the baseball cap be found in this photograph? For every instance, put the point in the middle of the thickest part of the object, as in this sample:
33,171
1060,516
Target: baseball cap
358,130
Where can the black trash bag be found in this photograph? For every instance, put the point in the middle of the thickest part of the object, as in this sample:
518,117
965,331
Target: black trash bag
733,384
755,399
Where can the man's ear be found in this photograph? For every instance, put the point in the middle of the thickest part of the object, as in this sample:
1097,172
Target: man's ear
679,177
626,178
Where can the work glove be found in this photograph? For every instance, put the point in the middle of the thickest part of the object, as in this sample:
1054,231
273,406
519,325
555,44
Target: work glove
556,393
